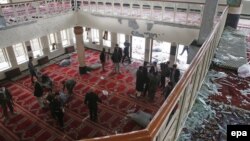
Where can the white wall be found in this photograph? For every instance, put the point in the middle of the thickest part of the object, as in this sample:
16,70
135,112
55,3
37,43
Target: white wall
183,35
40,28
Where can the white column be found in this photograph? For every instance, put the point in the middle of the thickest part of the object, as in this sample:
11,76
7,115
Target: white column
29,49
78,30
233,16
59,40
147,54
173,52
113,40
100,36
71,36
207,22
45,45
127,37
12,57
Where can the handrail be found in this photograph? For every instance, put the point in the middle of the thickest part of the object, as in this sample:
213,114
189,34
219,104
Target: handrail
22,12
20,2
177,1
153,128
173,1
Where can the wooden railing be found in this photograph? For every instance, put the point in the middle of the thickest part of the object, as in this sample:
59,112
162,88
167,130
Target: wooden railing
168,121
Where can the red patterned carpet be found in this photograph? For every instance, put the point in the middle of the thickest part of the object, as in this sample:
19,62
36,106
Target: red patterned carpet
233,85
34,123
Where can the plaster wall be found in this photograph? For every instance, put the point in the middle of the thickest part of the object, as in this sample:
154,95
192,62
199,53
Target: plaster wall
42,27
142,28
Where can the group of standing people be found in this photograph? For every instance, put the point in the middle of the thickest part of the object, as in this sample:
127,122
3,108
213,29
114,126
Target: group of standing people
118,56
147,82
56,100
46,94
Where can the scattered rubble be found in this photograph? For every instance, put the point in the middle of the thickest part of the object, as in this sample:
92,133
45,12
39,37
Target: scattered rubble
208,119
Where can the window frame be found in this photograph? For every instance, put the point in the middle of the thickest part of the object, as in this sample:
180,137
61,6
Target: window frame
16,52
95,36
66,39
107,42
50,41
40,49
6,60
121,43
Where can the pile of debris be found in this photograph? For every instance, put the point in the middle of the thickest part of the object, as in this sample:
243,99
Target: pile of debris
208,119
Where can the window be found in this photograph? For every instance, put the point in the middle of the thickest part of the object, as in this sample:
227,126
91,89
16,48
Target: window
160,51
20,53
121,40
3,1
106,38
4,60
65,38
85,35
95,35
74,38
36,48
52,42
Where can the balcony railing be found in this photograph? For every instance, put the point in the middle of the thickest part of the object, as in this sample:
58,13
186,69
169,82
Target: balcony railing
166,11
177,12
24,12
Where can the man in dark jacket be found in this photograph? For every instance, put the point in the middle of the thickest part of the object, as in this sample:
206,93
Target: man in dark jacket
91,100
165,71
58,111
32,69
168,89
38,93
6,102
153,84
116,58
103,58
174,74
126,52
139,81
69,85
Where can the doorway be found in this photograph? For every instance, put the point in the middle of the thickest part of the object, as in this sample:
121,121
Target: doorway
160,51
138,47
182,58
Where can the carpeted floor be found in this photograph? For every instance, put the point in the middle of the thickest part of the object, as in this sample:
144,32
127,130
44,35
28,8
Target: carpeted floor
233,85
34,123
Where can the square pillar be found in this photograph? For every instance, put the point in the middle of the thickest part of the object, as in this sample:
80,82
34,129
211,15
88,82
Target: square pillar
12,59
59,40
173,52
207,22
28,48
45,45
101,37
113,40
148,50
